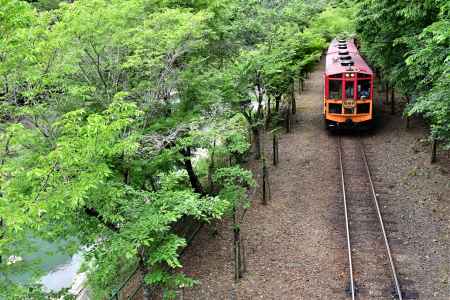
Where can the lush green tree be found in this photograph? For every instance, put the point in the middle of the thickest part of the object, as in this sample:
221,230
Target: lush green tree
429,65
105,107
408,43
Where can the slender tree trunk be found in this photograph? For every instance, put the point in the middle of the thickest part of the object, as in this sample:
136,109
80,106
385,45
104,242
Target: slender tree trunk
392,101
264,186
386,86
260,95
275,149
269,112
294,102
195,183
257,135
277,103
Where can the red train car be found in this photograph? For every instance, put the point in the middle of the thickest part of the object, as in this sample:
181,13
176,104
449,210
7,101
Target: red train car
348,85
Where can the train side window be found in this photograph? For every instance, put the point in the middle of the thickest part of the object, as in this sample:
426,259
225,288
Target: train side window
335,89
364,89
349,89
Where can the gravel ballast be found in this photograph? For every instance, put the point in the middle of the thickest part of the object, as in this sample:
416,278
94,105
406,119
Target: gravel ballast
295,245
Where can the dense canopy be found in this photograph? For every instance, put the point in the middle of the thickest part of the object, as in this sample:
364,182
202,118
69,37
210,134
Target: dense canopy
105,106
120,120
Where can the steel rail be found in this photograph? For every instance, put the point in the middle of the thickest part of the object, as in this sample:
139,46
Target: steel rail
347,227
380,219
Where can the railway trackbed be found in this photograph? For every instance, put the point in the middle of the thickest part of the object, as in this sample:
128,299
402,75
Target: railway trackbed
372,272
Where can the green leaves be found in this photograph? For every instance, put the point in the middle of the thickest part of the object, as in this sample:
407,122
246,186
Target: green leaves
102,103
410,43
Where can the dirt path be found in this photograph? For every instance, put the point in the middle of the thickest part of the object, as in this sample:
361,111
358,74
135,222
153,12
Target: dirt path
296,244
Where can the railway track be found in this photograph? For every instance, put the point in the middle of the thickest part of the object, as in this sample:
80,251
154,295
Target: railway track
372,273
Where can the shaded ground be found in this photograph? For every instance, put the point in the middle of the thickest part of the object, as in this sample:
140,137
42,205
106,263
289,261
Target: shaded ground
296,244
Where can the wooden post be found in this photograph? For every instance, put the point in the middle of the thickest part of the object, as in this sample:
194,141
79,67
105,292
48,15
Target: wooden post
434,151
275,149
407,117
265,182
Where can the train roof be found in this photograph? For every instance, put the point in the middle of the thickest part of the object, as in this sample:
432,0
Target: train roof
341,59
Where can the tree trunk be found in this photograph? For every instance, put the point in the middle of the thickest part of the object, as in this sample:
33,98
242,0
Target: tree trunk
379,90
195,183
269,112
257,135
294,102
266,184
392,101
260,95
264,190
275,149
386,86
277,103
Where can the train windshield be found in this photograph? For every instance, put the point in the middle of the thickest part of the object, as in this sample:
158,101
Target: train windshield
349,89
363,88
335,89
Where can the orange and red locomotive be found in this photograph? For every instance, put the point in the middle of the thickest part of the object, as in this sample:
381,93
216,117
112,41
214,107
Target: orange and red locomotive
348,93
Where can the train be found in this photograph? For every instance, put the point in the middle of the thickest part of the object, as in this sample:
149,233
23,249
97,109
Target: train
348,87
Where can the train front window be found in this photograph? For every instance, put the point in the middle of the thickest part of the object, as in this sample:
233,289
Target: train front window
349,89
364,89
335,89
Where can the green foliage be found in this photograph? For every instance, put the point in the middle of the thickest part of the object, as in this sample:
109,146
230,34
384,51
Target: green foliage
409,43
103,106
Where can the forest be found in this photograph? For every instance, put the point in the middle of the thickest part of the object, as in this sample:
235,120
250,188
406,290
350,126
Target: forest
122,121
